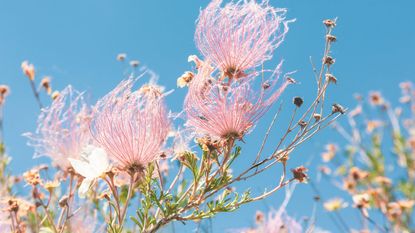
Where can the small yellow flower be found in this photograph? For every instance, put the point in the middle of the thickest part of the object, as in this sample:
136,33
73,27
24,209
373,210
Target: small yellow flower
51,185
335,204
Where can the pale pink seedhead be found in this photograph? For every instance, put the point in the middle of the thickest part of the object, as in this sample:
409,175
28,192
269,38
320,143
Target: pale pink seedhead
240,35
5,222
229,109
276,221
131,126
279,222
62,129
84,221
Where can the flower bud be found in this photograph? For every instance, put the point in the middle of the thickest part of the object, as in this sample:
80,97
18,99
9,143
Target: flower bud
298,101
134,63
45,83
28,70
338,108
121,57
329,23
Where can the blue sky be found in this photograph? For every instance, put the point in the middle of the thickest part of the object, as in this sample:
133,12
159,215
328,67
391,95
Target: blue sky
76,43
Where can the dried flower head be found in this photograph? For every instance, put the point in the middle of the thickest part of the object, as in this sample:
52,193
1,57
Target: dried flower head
406,205
207,144
384,181
45,84
328,60
298,101
28,69
349,185
376,99
223,110
121,57
185,79
406,87
63,129
337,108
134,63
317,116
4,92
240,35
32,177
357,174
361,200
329,23
131,126
331,78
299,174
259,217
331,38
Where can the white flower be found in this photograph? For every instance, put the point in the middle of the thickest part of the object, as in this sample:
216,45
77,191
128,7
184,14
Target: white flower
95,164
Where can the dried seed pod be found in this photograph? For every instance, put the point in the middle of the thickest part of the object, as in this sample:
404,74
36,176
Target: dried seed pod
329,60
331,38
303,124
338,108
45,84
299,174
329,23
266,85
331,78
134,63
317,116
298,101
63,202
121,57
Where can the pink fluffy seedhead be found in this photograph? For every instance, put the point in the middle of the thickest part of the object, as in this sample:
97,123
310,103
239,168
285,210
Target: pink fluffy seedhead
240,35
131,126
224,110
63,129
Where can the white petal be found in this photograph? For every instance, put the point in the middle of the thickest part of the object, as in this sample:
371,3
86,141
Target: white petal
83,168
83,189
98,159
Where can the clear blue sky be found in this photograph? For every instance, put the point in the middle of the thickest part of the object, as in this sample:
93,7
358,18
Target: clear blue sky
76,42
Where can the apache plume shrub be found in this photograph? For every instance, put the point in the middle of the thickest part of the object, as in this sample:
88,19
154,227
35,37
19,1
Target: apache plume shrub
115,157
228,110
63,129
132,126
240,35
